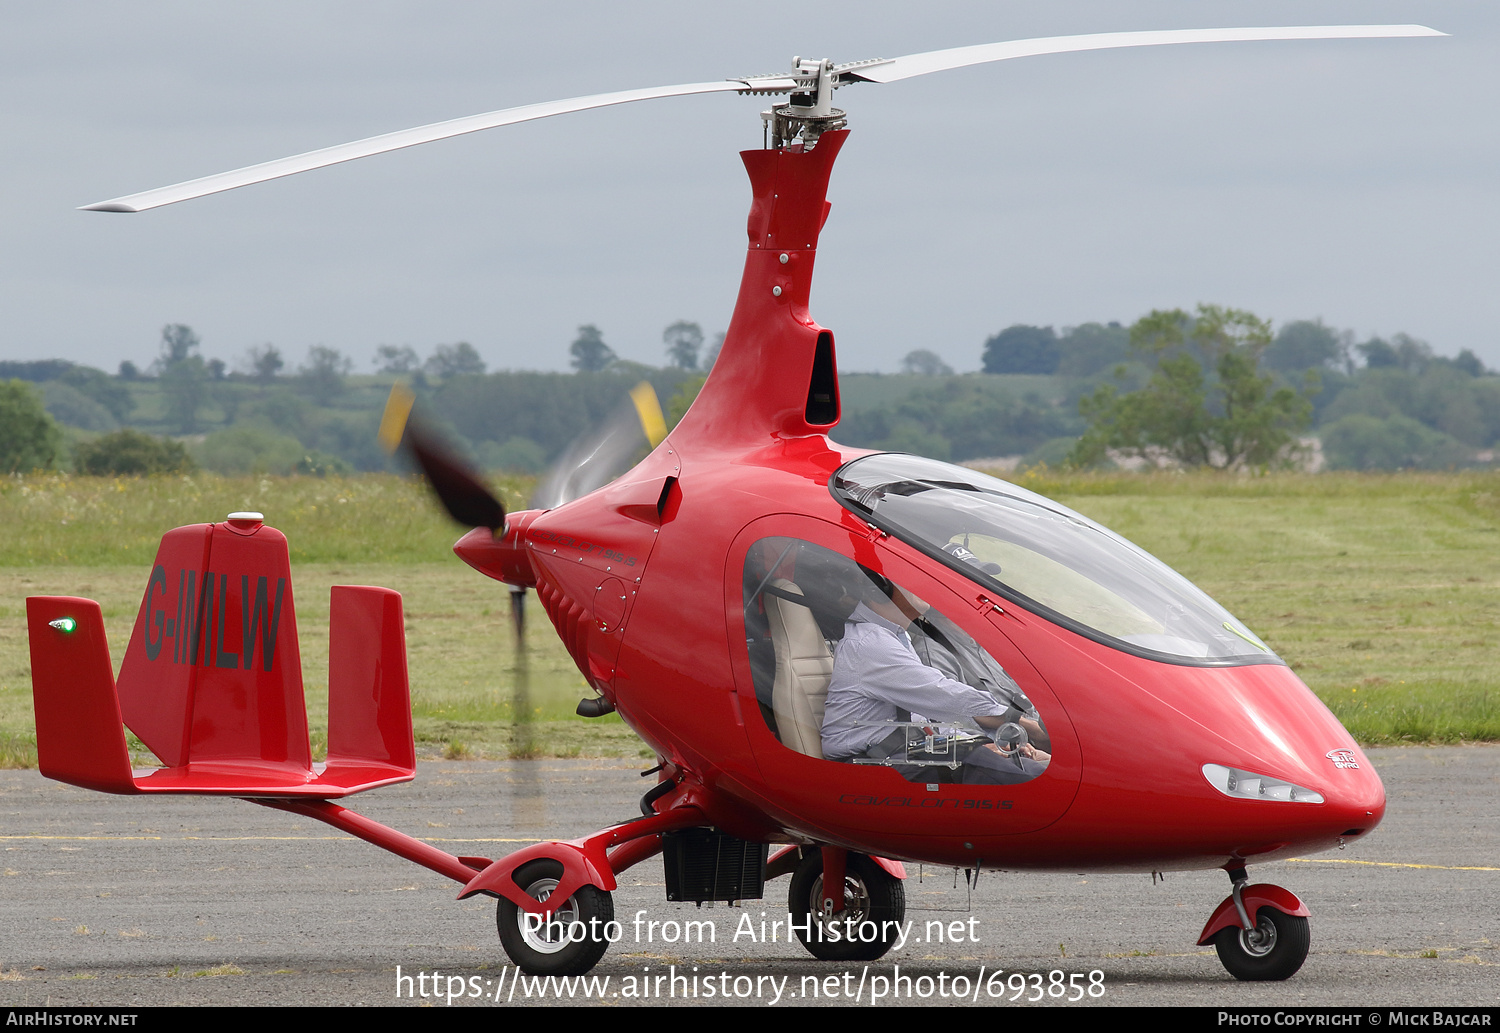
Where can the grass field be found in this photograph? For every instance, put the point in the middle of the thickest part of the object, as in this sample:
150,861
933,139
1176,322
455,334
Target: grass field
1381,591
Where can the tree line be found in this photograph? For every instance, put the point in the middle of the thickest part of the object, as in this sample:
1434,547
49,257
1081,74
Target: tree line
318,418
1216,387
1213,387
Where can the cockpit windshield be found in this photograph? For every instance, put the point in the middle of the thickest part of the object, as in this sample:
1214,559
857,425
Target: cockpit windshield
1046,558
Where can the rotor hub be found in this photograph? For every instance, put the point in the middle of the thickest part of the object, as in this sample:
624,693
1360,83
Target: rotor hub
809,111
789,124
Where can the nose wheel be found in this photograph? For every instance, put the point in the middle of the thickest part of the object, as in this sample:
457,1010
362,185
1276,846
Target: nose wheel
1260,932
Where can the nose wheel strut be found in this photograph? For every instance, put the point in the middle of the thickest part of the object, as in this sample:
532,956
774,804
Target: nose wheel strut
1260,932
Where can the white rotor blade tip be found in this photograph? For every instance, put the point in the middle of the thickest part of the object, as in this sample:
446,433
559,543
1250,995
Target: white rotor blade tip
961,57
310,160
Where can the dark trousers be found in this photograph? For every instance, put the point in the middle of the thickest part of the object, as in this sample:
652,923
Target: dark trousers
986,767
981,765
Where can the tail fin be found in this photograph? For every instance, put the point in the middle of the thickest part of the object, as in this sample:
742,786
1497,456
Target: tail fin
79,739
369,697
212,673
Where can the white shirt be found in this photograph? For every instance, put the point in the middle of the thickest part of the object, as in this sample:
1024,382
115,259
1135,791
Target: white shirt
876,677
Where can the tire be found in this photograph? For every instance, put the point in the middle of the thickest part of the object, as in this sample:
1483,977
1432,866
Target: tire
1275,950
871,896
568,946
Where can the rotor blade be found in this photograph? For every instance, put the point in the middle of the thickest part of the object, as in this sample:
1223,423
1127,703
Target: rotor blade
148,199
598,456
864,71
457,487
961,57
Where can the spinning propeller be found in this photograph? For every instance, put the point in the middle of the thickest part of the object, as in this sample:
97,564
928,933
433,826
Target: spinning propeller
455,482
591,461
810,84
598,456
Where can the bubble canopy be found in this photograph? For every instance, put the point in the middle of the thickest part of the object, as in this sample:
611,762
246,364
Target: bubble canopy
1046,558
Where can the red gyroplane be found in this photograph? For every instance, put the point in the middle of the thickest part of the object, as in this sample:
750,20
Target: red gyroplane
843,660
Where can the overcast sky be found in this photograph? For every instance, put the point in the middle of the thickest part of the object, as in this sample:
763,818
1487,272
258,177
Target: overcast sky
1354,181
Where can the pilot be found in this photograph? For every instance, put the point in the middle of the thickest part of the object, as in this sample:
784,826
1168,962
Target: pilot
878,679
939,643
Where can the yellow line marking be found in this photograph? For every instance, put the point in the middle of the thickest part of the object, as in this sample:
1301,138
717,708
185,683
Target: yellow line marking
80,837
1393,864
486,840
269,839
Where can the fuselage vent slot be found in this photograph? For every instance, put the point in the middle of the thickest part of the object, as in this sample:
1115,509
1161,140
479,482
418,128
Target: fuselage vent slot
823,387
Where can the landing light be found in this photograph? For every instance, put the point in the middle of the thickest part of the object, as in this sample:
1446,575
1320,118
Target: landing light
1247,785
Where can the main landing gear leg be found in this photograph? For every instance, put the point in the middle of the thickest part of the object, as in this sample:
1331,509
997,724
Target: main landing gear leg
1260,932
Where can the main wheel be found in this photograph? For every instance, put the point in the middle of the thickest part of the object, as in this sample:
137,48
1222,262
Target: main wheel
568,943
875,906
1274,949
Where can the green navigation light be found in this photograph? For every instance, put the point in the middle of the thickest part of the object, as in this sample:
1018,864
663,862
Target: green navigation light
64,624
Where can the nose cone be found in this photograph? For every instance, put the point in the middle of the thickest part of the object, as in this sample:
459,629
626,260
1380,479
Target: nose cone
1282,733
1355,796
505,558
1353,759
1353,804
1237,763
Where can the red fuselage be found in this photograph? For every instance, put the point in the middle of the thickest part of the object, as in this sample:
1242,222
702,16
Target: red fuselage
644,581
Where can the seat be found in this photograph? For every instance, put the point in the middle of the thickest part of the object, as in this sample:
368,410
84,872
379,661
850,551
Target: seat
804,666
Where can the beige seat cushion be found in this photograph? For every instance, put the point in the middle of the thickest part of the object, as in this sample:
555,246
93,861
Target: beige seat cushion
804,665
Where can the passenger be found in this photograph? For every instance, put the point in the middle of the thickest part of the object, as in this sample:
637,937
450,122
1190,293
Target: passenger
878,679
